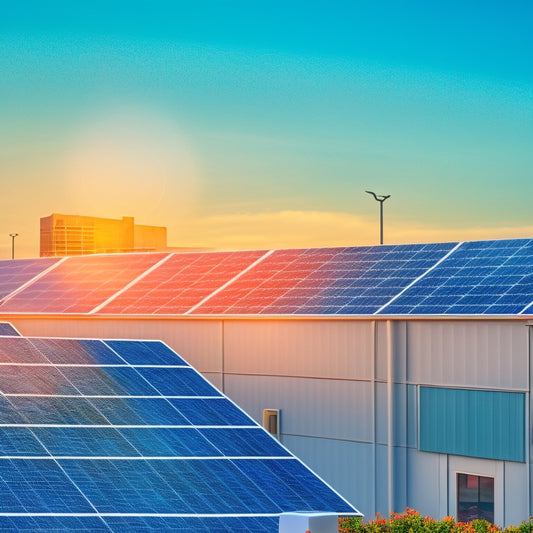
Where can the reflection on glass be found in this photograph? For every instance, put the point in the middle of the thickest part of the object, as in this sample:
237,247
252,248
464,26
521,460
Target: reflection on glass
475,498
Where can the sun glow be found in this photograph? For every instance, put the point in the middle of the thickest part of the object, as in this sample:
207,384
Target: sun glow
133,163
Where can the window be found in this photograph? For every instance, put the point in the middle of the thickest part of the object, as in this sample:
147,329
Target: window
475,497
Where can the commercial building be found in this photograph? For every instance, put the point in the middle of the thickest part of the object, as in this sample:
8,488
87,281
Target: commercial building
68,235
400,374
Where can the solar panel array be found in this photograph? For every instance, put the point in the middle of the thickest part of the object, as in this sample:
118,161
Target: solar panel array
181,282
471,278
488,277
326,281
125,435
15,273
78,284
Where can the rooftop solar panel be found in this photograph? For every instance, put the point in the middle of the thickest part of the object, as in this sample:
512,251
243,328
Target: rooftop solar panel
121,435
79,284
7,329
326,280
181,282
486,277
479,278
16,272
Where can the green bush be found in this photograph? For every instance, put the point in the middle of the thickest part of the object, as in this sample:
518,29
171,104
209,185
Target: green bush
412,521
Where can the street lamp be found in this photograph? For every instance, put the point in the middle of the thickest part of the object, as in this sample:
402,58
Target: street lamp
13,235
380,199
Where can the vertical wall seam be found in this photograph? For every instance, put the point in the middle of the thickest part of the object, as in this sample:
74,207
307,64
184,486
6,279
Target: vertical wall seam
374,417
390,422
223,362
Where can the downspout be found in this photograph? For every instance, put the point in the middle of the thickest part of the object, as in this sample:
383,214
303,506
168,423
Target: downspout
390,405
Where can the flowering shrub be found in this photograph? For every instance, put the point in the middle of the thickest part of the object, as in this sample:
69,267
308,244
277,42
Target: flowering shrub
412,521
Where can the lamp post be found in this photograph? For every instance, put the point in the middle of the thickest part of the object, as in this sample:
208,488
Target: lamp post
380,199
13,235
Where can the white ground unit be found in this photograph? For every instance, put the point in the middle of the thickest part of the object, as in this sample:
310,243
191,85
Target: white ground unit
350,392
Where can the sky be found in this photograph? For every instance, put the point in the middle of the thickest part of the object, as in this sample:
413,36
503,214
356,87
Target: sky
243,125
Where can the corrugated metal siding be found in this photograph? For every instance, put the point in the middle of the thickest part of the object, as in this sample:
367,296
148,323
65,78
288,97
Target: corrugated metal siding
423,483
333,349
474,423
309,407
484,354
347,466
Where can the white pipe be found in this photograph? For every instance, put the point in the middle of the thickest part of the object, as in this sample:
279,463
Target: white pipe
390,402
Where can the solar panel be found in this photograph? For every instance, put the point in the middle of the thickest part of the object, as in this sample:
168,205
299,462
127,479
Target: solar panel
125,435
79,284
7,329
181,282
326,280
16,272
479,278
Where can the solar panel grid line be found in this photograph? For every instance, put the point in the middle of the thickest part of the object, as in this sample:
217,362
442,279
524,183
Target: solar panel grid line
230,282
130,284
154,515
107,396
81,365
224,458
125,426
31,281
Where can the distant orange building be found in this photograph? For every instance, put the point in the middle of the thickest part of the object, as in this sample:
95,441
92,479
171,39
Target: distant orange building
63,235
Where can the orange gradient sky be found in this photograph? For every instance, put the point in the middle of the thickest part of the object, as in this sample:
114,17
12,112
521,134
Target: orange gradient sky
262,126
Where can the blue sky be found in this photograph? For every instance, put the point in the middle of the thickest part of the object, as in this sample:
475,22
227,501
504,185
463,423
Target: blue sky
243,125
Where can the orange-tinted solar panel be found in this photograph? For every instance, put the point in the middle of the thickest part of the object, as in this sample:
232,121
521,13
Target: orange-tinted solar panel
79,284
181,282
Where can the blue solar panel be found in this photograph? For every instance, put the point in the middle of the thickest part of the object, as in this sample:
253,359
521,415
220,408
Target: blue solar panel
478,278
139,411
38,486
20,441
138,443
145,353
56,410
48,524
85,442
244,442
230,524
166,442
178,381
67,351
212,412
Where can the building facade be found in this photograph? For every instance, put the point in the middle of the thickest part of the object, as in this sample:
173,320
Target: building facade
69,235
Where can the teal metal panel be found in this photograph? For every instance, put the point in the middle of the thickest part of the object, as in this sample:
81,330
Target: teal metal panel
475,423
